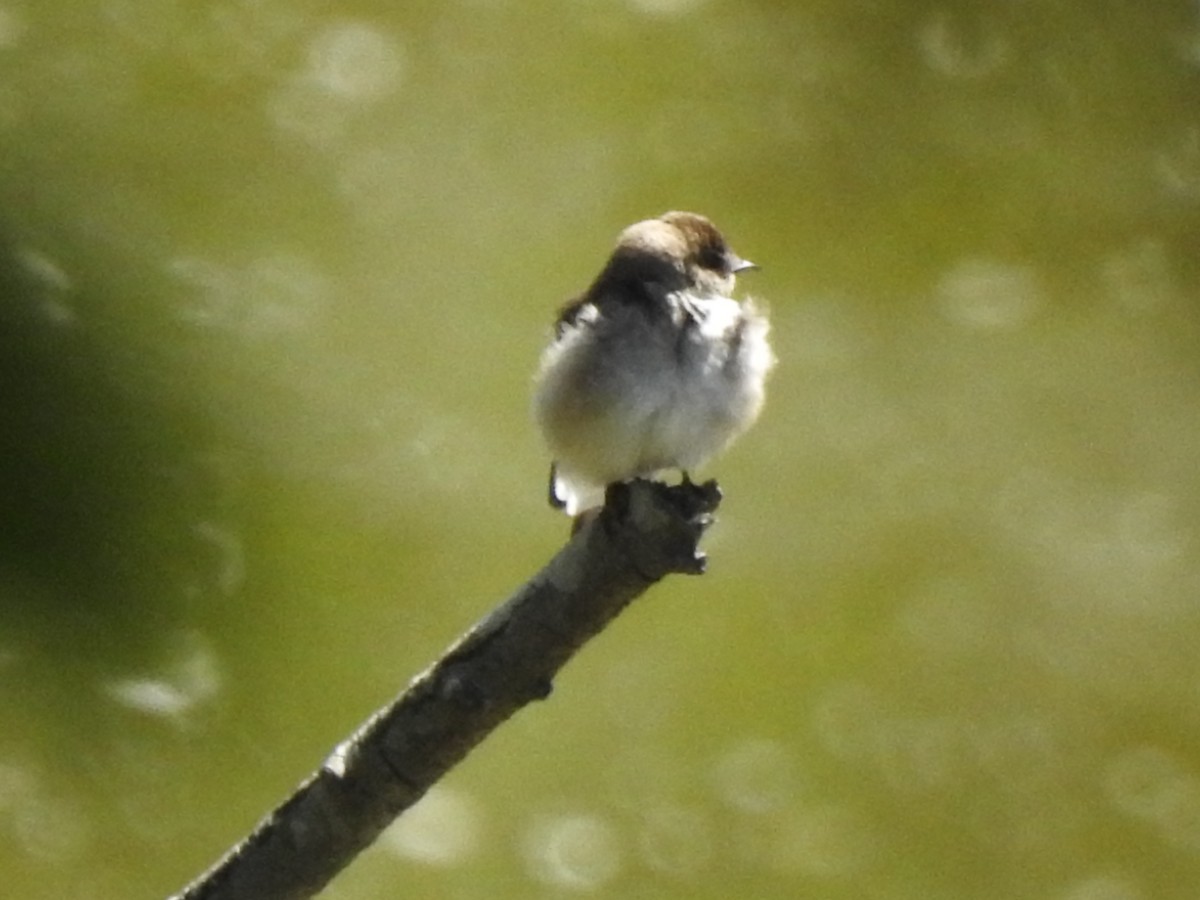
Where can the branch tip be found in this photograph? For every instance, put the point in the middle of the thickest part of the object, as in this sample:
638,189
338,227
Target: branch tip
661,525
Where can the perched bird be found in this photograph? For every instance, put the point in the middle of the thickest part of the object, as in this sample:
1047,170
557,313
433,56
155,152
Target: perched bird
655,366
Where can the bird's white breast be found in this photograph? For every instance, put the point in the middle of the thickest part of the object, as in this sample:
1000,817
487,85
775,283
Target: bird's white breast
622,393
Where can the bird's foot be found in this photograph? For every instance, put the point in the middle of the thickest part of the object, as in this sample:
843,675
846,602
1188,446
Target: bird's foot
684,512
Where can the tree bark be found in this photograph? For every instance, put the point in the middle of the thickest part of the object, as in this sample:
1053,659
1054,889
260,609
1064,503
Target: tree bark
644,532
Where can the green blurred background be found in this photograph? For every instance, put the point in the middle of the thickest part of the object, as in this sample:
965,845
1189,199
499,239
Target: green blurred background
274,277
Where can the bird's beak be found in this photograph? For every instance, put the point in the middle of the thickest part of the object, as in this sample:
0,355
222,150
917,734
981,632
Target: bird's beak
743,265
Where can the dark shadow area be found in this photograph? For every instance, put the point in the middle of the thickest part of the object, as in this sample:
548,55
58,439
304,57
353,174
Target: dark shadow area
98,492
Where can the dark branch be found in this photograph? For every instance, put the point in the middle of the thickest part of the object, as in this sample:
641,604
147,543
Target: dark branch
645,531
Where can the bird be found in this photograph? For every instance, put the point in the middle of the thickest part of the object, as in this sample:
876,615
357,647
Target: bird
655,366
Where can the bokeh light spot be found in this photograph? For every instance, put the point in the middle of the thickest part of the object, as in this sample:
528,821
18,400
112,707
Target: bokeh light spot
576,851
444,829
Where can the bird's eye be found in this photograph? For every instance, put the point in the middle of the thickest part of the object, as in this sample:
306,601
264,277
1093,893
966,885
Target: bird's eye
713,257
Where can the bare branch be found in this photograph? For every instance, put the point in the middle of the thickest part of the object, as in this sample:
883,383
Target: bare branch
644,532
